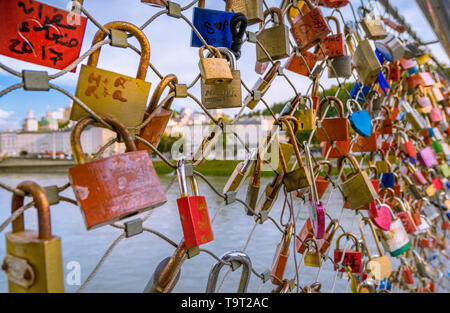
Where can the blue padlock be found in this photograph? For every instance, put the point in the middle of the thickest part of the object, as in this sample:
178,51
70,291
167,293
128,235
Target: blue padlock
412,160
384,284
360,121
359,91
413,70
382,55
430,132
387,180
382,82
401,115
213,25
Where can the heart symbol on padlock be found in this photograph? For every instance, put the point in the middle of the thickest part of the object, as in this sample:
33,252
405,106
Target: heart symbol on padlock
218,25
361,123
380,215
24,27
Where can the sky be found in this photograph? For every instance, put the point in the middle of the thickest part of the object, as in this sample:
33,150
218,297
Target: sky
170,53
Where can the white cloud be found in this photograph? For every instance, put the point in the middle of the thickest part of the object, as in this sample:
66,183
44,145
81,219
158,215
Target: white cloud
5,114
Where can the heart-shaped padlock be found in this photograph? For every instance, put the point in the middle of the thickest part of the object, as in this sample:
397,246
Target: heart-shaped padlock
360,121
380,215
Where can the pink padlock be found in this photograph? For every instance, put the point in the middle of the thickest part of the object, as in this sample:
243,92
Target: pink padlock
426,157
416,175
435,115
380,215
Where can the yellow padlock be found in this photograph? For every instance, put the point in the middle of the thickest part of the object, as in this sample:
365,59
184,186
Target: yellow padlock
214,70
105,92
33,261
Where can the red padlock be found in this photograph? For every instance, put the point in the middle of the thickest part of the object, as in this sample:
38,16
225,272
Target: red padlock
333,45
341,147
309,29
332,129
281,256
193,211
406,217
303,63
305,233
352,257
322,183
395,73
407,272
115,187
387,124
334,3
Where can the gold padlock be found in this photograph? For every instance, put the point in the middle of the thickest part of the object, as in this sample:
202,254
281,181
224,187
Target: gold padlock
275,40
372,27
253,9
261,86
105,92
306,117
312,257
356,187
34,259
214,70
222,96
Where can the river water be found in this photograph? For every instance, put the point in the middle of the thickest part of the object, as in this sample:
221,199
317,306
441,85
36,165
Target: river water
132,262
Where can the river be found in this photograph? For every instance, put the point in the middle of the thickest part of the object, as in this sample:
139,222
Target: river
132,262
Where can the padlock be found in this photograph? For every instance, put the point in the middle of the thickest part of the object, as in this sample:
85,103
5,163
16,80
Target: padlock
372,27
301,62
406,271
240,173
260,67
322,182
305,115
336,149
281,256
367,144
298,178
154,130
413,117
412,51
423,59
115,187
387,124
268,197
227,258
193,210
254,185
224,96
395,240
366,62
356,187
424,269
397,27
406,217
106,92
391,48
435,179
324,243
333,45
309,29
352,258
304,234
425,78
417,176
360,120
253,9
380,267
426,156
407,64
423,102
214,70
406,145
380,215
273,43
340,67
312,257
316,208
332,129
212,25
33,261
412,188
261,86
445,170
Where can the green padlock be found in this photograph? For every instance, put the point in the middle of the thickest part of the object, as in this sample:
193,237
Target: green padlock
437,147
445,170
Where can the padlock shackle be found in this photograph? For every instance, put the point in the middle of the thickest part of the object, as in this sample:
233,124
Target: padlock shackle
75,136
340,106
348,235
401,204
216,51
181,176
133,30
314,241
285,120
41,204
271,74
310,168
255,179
388,112
231,256
201,4
336,21
328,164
278,12
229,55
287,237
372,168
366,220
353,162
335,224
163,84
349,105
390,191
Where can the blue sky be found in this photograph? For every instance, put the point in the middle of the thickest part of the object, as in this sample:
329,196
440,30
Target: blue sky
170,53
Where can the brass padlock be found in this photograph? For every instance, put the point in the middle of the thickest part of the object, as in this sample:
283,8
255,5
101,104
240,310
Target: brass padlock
300,178
224,96
34,260
274,40
214,70
372,27
111,93
306,117
254,185
240,173
366,62
253,9
267,199
312,256
261,86
356,187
